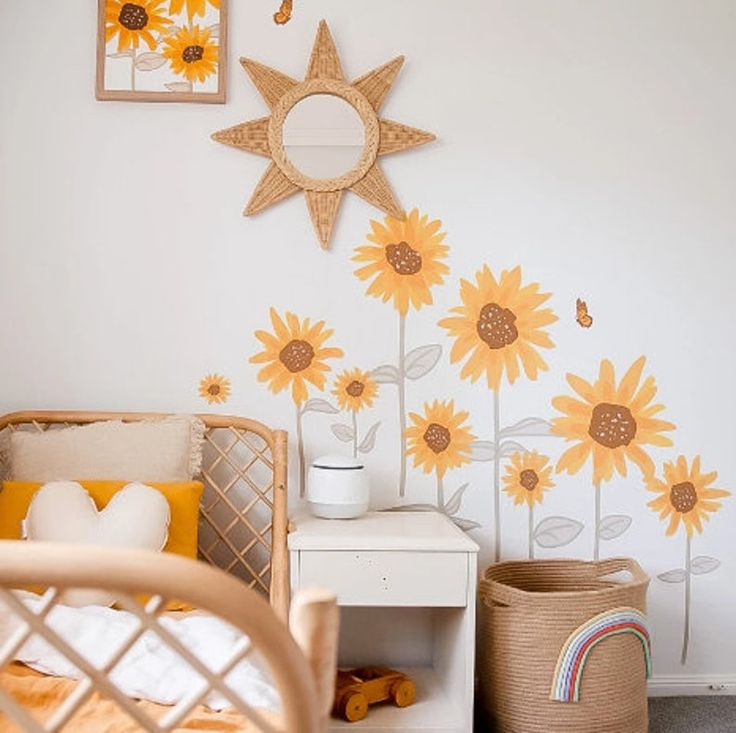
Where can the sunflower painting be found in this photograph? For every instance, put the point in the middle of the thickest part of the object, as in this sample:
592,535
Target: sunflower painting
404,260
528,476
686,498
611,424
499,329
295,357
162,50
355,390
214,389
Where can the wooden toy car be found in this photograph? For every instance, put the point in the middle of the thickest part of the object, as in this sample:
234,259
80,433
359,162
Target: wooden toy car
356,689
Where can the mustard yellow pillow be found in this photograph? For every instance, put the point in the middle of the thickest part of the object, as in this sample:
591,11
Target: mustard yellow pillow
183,499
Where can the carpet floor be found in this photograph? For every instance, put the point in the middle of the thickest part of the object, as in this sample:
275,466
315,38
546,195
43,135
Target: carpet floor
716,714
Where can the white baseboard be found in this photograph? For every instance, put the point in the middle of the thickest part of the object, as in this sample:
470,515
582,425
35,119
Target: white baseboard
672,685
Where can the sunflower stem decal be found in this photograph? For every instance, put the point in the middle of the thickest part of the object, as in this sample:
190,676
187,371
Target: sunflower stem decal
528,476
355,390
686,497
294,356
403,262
497,330
611,424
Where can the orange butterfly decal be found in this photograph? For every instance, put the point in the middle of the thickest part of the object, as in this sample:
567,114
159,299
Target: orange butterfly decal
581,314
283,14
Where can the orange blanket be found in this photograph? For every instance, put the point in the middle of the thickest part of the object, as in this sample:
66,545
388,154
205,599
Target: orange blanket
41,695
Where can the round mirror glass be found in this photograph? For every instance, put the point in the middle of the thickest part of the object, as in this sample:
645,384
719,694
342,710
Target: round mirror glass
323,136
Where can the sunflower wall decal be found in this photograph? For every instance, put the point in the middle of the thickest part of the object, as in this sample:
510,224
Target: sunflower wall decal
355,391
214,389
686,498
610,424
403,262
295,357
265,136
163,51
498,330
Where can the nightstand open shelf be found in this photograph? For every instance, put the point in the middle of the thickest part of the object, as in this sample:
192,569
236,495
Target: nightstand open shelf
406,584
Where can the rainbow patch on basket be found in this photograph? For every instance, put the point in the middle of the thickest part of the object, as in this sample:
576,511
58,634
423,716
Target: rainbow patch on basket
574,654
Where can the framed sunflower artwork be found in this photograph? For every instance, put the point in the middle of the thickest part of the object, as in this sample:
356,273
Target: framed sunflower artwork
161,50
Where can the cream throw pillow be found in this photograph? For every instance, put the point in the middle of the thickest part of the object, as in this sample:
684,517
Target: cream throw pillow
165,450
137,517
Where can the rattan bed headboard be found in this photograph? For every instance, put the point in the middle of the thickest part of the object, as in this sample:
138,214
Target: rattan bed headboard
243,519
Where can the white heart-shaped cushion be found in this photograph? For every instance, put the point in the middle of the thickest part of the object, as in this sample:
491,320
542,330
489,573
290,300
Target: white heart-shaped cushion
137,517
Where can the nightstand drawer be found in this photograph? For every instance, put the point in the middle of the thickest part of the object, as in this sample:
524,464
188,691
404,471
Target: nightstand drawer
388,578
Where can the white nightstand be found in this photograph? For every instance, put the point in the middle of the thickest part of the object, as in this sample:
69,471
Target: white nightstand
406,584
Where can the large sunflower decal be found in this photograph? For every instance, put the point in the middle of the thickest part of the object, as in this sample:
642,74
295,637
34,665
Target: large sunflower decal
192,53
404,260
687,498
134,22
439,439
294,355
610,423
499,327
528,475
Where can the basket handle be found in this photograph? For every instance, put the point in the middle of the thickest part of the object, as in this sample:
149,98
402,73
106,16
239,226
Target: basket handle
612,565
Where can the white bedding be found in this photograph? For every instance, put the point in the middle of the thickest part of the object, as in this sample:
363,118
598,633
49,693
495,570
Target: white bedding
150,670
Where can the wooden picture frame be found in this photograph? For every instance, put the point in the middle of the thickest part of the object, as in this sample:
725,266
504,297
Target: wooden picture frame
169,57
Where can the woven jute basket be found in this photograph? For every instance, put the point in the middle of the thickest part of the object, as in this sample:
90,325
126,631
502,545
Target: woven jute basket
529,612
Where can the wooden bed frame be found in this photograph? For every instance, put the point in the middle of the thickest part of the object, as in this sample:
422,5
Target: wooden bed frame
243,513
244,467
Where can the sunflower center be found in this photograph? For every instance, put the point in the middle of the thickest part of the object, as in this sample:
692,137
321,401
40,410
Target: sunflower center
133,17
437,437
683,497
612,425
214,389
496,327
404,259
192,53
355,388
297,355
528,479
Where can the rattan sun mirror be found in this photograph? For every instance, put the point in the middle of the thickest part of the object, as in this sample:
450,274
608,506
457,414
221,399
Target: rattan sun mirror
284,177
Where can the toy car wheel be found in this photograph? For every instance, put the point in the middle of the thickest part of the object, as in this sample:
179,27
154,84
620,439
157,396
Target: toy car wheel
353,706
403,693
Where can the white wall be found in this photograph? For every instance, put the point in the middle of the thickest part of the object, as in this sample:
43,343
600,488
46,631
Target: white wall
592,143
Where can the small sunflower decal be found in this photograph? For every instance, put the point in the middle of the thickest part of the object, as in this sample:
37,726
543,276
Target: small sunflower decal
192,53
499,327
404,260
686,495
528,476
133,22
610,422
295,355
439,439
215,389
194,7
355,390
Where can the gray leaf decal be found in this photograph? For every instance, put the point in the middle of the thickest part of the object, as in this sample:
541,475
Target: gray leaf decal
149,61
386,374
342,432
528,426
120,55
369,441
557,531
452,506
317,404
509,447
613,525
420,361
673,576
178,86
465,524
703,564
482,450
